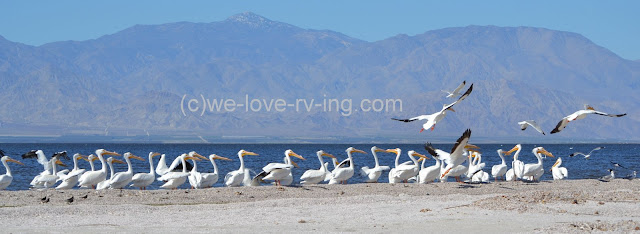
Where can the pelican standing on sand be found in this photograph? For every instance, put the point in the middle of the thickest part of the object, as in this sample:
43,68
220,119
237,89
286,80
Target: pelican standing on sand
558,172
279,171
405,171
499,170
5,180
142,180
209,179
92,178
71,179
533,171
429,174
121,179
316,176
105,183
342,174
581,114
517,166
174,179
434,118
240,176
372,174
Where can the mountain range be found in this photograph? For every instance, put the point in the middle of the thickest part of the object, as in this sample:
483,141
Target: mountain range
132,85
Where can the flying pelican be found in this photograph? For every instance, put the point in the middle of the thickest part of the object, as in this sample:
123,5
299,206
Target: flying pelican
429,174
121,179
403,172
372,174
92,178
586,156
174,179
316,176
5,180
581,114
71,179
342,174
534,170
142,180
558,172
105,183
456,157
434,118
455,92
238,177
500,169
278,171
517,166
532,123
609,177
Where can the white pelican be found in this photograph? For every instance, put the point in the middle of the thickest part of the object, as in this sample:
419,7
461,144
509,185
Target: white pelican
209,179
105,183
71,179
517,166
175,166
278,171
586,156
534,170
581,114
532,123
457,155
429,174
142,180
92,158
405,171
316,176
500,169
174,179
342,174
195,177
121,179
92,178
46,164
558,172
48,180
239,177
5,180
609,177
434,118
372,174
475,173
392,179
455,92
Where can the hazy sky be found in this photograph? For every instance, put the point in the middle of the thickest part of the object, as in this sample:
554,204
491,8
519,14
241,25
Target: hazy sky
611,24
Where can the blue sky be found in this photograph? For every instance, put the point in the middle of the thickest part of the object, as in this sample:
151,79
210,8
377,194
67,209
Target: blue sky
611,24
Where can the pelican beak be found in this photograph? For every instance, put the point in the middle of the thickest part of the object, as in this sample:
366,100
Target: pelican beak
420,159
200,156
380,150
118,161
395,151
248,153
79,156
419,155
545,152
111,153
294,163
191,158
471,146
136,157
221,158
511,150
358,151
60,163
155,154
554,165
291,153
328,155
15,161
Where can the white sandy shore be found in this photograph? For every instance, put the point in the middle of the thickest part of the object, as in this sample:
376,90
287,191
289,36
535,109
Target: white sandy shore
549,206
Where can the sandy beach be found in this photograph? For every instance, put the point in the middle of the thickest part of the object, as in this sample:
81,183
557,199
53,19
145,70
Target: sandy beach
548,206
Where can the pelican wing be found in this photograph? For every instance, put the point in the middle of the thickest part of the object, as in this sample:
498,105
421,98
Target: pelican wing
422,117
465,95
561,125
577,153
273,166
173,175
596,149
2,153
430,149
61,154
532,123
610,115
344,163
462,141
457,90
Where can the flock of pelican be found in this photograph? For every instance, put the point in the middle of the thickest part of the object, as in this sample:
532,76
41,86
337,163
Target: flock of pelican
463,162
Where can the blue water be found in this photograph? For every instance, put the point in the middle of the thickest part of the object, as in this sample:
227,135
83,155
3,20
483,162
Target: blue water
625,154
